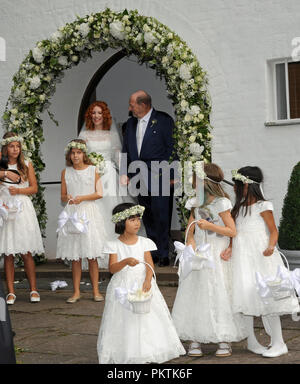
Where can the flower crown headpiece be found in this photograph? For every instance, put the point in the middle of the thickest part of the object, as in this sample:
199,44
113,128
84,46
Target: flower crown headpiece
12,139
120,216
75,144
242,178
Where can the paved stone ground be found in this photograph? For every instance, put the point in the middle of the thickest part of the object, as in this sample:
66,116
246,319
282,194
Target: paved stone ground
53,331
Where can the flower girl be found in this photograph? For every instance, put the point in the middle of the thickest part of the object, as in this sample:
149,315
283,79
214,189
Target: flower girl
20,233
126,337
202,309
254,250
80,187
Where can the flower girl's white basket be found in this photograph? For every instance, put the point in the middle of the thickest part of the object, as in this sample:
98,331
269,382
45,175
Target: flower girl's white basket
141,304
279,287
191,260
73,223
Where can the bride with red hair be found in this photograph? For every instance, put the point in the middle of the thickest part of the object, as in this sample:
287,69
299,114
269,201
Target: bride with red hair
101,136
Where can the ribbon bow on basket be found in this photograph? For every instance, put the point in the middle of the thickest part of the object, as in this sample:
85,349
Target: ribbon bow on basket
13,204
135,299
72,224
279,287
190,259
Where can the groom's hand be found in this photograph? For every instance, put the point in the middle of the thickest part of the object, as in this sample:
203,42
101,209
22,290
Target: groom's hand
124,180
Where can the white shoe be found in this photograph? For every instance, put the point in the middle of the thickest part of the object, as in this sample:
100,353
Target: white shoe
276,351
34,299
257,348
224,350
11,301
195,350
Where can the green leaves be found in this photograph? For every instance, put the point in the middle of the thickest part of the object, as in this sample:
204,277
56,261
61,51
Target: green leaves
289,228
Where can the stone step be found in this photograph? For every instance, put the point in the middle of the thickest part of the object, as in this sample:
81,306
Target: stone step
57,270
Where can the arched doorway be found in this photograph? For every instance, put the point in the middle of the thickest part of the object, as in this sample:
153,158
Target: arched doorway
146,38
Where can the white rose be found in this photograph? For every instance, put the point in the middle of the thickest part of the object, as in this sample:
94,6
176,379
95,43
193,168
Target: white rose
37,54
192,138
74,58
194,110
19,93
184,104
16,123
150,38
146,28
90,19
196,149
170,35
14,111
165,60
184,72
170,49
84,29
34,82
117,30
56,36
187,118
201,116
42,97
63,60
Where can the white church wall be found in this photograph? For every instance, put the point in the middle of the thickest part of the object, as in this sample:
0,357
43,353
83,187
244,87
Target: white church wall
233,42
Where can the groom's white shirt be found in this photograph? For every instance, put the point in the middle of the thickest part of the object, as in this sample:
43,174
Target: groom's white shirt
141,129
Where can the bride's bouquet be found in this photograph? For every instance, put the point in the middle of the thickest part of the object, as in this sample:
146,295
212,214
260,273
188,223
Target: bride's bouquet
98,160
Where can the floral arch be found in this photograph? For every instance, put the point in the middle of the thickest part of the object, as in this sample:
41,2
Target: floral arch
152,42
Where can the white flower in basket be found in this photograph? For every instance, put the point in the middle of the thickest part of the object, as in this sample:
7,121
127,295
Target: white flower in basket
279,287
141,301
135,299
72,224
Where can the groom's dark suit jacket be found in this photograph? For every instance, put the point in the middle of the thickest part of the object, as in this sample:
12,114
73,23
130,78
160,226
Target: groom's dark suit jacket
157,144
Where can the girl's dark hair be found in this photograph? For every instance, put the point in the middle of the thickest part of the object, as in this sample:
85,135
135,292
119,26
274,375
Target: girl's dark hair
21,165
253,192
120,226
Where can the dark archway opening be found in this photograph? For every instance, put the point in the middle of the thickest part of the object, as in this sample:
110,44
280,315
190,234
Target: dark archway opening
90,93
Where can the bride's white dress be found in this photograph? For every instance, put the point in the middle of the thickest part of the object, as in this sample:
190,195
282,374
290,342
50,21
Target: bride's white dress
108,144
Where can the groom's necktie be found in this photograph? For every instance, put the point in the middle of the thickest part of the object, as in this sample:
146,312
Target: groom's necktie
140,134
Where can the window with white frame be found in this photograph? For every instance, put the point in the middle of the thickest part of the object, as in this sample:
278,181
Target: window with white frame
286,75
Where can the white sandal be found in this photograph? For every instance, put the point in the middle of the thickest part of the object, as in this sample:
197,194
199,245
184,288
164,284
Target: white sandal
195,350
224,350
11,301
34,299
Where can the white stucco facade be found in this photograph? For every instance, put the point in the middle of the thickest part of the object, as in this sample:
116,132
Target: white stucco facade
234,40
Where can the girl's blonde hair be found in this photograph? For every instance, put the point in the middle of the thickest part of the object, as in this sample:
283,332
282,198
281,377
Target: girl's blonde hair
216,175
212,184
21,166
86,160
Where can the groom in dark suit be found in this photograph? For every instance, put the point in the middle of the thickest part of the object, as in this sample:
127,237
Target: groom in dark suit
148,138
